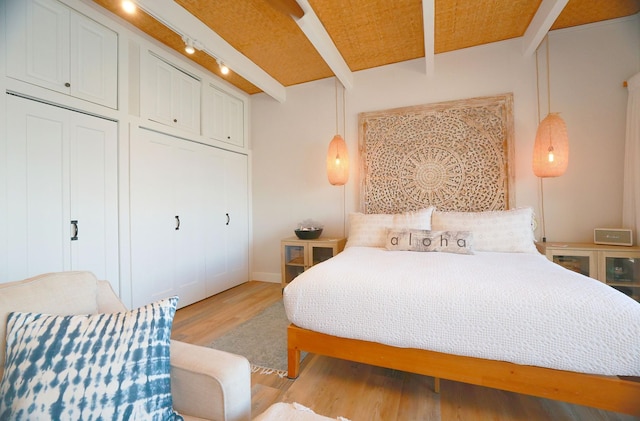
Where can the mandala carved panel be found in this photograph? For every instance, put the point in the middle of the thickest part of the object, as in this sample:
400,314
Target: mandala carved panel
454,155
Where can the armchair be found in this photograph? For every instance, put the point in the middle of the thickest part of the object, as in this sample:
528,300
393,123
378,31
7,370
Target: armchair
206,384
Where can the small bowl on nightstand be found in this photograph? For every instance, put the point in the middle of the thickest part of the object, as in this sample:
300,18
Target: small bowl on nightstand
308,233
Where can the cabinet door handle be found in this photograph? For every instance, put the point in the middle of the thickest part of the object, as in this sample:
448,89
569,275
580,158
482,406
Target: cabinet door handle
177,222
74,232
228,219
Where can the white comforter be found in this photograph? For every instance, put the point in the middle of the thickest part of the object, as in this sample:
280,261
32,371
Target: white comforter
515,307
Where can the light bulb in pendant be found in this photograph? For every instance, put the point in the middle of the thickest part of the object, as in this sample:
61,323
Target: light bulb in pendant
551,157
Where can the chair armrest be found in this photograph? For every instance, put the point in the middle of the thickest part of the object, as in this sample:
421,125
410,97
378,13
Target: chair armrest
211,384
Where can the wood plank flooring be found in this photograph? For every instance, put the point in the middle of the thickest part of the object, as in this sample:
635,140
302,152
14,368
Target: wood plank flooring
360,392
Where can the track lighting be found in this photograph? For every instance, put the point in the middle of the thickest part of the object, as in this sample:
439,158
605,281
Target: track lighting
129,6
223,68
189,46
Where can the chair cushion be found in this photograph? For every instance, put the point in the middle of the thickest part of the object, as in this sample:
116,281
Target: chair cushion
101,366
51,293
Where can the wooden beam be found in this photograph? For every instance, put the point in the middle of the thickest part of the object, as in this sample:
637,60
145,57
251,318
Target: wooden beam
428,22
183,23
547,13
317,34
288,7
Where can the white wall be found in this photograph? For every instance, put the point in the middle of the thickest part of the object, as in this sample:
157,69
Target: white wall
588,66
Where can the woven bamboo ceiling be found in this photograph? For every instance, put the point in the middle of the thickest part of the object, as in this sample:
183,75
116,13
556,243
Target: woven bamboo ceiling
268,48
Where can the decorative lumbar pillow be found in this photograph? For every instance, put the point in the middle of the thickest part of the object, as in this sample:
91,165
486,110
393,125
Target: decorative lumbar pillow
370,230
98,367
500,231
424,240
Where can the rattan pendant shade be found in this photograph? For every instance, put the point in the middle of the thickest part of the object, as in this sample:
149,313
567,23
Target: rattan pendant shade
338,161
551,148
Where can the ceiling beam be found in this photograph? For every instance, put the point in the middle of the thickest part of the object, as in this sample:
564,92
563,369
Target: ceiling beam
176,18
428,22
288,7
544,18
317,34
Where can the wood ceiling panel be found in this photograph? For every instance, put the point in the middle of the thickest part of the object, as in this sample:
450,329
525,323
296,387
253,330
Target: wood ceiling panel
155,29
580,12
368,33
461,23
269,38
373,33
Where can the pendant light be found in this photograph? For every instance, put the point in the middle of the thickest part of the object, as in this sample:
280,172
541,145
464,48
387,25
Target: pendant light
551,148
337,155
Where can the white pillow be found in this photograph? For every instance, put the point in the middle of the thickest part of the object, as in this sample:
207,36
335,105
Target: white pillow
370,230
460,242
501,231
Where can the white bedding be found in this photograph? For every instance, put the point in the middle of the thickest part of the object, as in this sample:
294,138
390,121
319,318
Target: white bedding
516,307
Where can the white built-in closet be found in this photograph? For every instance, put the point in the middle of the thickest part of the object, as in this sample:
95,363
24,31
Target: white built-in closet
153,200
62,191
189,231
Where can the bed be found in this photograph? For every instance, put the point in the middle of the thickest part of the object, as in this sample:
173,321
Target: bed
444,280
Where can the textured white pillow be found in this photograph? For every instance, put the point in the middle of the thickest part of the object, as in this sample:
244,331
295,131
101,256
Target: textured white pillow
460,242
370,230
502,231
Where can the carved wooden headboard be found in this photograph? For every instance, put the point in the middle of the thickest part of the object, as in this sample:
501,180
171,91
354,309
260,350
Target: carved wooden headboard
455,155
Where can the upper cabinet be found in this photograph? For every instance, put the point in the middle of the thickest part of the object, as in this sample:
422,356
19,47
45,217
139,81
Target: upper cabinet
170,95
223,116
53,46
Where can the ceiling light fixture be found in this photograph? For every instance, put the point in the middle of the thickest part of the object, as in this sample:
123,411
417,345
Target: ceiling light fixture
189,46
223,68
551,147
337,156
129,6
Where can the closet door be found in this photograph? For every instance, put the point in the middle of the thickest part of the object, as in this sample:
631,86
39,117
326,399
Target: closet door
167,218
227,227
61,191
237,231
94,196
37,189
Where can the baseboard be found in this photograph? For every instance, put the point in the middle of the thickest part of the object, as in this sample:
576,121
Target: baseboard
275,278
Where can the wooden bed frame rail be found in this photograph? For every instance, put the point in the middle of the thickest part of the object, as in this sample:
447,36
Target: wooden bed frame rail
605,392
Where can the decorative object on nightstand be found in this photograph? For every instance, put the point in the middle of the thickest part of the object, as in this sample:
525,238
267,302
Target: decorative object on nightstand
309,230
298,255
617,266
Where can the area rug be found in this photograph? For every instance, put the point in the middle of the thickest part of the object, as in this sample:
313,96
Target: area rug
262,340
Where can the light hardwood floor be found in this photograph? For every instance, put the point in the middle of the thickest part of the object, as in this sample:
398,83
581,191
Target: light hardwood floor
361,392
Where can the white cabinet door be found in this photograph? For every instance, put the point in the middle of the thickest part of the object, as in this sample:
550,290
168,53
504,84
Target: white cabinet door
186,102
51,45
94,196
170,96
237,202
224,116
61,167
228,227
167,218
94,58
38,43
234,113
